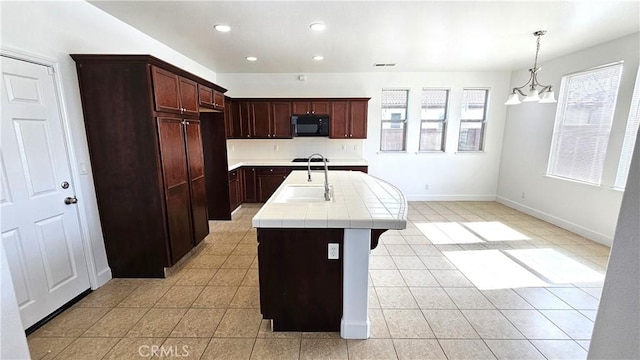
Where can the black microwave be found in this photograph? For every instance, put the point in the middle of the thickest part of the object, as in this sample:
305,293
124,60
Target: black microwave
310,125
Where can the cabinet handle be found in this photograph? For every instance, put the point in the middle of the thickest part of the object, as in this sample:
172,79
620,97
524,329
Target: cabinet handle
345,135
271,170
350,135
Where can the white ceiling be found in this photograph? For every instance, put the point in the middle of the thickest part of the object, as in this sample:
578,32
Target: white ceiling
418,36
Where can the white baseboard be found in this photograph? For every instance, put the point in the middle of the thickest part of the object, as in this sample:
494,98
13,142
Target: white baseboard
578,229
489,197
103,276
355,329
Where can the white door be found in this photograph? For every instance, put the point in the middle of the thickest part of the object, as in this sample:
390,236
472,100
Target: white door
40,232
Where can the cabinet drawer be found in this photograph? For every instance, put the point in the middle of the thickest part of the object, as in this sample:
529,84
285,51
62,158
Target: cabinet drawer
279,170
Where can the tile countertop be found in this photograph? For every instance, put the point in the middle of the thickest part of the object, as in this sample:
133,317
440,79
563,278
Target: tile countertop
360,201
236,163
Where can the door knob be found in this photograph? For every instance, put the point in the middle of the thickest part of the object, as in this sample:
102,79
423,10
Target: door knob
70,200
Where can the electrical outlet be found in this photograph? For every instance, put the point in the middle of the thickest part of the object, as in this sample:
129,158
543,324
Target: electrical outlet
334,251
426,186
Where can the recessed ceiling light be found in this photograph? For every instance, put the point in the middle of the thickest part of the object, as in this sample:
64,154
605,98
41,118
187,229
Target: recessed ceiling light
251,58
318,58
222,28
318,26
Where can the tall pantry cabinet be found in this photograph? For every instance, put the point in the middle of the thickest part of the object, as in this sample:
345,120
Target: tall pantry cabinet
142,123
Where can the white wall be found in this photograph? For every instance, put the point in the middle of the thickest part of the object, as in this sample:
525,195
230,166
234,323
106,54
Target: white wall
616,333
450,175
589,210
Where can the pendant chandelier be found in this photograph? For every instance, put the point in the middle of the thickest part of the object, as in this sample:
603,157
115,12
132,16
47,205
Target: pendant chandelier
545,94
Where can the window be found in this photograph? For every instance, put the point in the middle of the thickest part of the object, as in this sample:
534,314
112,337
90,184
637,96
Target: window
394,120
433,119
472,119
633,123
583,123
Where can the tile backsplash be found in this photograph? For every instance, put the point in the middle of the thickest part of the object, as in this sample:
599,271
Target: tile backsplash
293,148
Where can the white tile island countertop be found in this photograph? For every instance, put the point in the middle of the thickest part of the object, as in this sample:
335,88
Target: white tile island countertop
360,205
359,201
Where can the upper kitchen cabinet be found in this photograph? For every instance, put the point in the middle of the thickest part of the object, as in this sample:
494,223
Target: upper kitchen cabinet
349,119
280,120
210,98
260,119
173,93
147,159
317,107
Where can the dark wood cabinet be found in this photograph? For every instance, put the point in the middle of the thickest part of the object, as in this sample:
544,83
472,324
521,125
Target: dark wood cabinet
249,184
210,98
280,120
145,142
318,107
235,192
243,123
268,180
174,93
349,119
261,120
230,118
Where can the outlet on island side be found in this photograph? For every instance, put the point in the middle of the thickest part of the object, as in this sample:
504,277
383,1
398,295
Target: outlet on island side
334,251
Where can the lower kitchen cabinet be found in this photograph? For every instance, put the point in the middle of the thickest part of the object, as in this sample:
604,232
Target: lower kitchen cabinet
235,189
268,180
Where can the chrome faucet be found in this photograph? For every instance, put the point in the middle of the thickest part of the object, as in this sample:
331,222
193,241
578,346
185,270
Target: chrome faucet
327,192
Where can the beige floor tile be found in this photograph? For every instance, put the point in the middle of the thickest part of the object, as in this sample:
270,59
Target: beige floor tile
416,240
374,303
590,314
47,348
380,250
219,248
560,349
396,298
584,344
426,250
491,324
229,349
418,278
195,276
386,278
246,249
134,349
437,263
207,261
407,324
399,249
198,323
145,296
266,332
451,278
571,322
323,334
469,298
506,299
252,278
239,323
179,297
87,348
276,349
542,298
228,277
514,349
408,262
319,349
576,298
183,348
381,263
466,350
409,349
246,297
533,325
378,329
109,295
449,324
379,349
238,262
158,322
71,323
116,323
215,297
392,239
432,298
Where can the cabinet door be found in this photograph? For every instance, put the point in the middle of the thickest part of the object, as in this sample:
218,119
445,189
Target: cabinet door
234,194
320,107
189,96
300,107
218,100
281,120
249,185
339,120
176,186
205,96
229,113
268,180
261,119
166,91
197,184
243,124
358,119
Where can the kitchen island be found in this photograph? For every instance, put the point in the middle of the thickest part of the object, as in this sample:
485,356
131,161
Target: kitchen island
313,254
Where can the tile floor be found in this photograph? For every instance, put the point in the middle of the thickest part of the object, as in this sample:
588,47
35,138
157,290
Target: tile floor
513,288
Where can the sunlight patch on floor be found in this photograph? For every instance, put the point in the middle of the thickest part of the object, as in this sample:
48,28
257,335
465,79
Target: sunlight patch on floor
491,269
555,266
495,231
447,233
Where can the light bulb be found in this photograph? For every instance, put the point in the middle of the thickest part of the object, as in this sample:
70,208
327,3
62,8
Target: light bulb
548,97
532,96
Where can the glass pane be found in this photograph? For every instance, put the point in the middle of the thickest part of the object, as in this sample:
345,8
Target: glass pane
431,136
434,104
470,136
633,123
392,136
394,104
474,103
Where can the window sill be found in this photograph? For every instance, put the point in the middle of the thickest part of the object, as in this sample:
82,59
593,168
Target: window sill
391,152
470,152
572,180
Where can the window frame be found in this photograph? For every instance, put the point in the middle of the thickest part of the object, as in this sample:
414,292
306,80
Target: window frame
443,121
630,134
403,122
483,122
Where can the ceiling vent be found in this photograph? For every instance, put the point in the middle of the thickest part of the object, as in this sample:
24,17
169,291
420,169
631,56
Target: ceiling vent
383,65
